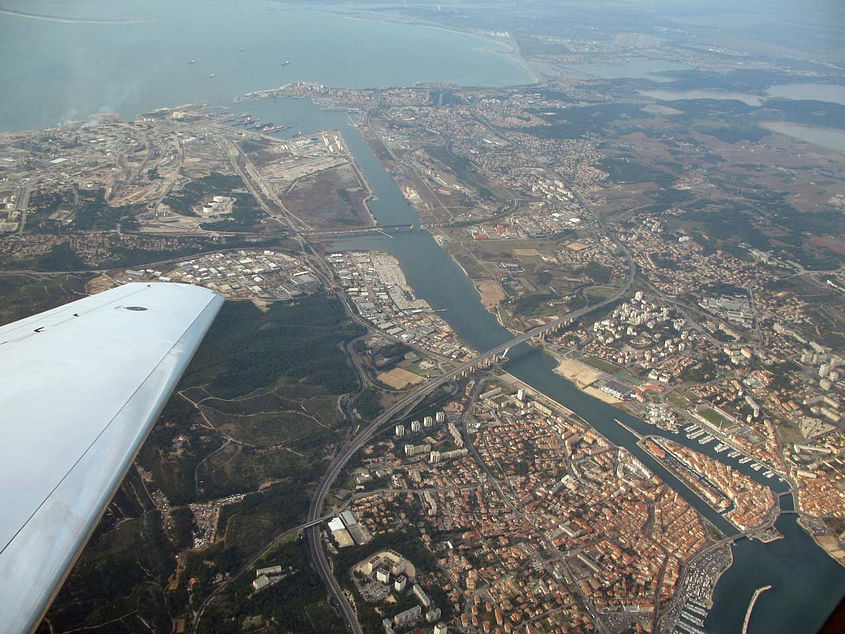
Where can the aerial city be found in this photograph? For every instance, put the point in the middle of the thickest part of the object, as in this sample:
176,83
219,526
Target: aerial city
534,312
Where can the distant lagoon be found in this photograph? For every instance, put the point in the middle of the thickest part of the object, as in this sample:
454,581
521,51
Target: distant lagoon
678,95
834,93
825,137
819,92
634,69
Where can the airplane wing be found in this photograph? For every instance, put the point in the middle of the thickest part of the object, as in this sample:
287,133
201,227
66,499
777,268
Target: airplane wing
80,388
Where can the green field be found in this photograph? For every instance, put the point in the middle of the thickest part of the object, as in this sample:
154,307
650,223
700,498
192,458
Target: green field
677,399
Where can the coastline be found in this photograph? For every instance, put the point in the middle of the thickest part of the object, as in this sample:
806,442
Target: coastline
512,51
829,549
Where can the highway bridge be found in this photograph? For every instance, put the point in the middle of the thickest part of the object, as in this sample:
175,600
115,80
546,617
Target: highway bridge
316,233
405,226
249,566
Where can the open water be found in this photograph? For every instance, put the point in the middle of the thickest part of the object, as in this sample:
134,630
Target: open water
54,72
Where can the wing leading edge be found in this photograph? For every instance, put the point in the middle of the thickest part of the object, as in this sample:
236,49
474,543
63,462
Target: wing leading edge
80,388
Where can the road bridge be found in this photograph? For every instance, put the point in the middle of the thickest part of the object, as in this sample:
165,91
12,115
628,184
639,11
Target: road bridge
316,233
406,226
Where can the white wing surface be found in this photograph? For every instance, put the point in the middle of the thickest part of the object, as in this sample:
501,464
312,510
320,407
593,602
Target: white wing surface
80,388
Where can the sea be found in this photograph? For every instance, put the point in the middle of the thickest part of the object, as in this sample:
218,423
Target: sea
157,54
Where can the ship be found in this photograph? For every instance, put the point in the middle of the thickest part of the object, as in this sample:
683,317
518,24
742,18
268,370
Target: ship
212,76
286,63
193,61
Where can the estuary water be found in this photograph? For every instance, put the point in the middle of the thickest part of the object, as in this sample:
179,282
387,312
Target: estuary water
55,71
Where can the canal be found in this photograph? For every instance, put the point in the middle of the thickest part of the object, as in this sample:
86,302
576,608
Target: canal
806,583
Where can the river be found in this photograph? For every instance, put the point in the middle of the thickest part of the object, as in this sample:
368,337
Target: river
807,584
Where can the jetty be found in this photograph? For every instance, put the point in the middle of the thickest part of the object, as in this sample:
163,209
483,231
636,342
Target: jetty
754,598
